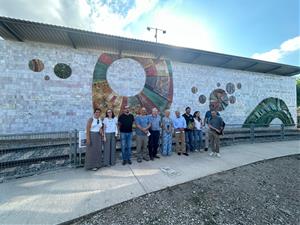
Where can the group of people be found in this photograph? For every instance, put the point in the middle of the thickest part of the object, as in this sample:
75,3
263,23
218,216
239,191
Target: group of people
187,128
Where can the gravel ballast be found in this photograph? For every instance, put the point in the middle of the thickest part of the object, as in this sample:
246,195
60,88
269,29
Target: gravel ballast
266,192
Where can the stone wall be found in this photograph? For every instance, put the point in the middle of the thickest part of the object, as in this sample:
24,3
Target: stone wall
40,101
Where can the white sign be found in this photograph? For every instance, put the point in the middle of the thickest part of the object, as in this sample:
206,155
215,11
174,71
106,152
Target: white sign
82,139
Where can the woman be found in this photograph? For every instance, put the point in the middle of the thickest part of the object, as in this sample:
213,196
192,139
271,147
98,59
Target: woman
167,128
110,132
93,155
197,131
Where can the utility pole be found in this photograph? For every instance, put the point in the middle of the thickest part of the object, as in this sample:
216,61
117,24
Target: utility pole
156,29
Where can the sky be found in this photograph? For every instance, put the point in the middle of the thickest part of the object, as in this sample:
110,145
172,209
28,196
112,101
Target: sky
261,29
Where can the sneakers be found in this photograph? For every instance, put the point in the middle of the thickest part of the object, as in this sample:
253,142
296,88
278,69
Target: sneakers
206,149
212,154
124,162
218,155
129,162
179,153
186,154
215,154
196,150
139,160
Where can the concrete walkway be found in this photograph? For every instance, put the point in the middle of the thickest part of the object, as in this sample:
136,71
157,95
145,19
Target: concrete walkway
60,196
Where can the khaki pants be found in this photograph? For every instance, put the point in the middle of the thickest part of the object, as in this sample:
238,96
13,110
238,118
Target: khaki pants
214,141
141,147
180,141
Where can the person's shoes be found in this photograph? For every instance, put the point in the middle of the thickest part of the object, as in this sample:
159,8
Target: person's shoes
178,153
151,158
206,149
186,154
196,150
95,169
139,160
212,154
124,162
129,162
156,156
218,155
146,159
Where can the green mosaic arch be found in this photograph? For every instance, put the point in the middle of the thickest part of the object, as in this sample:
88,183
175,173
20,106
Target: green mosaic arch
267,110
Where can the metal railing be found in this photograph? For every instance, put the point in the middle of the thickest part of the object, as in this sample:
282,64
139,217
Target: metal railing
33,153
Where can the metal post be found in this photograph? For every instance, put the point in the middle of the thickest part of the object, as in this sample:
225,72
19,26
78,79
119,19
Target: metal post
75,146
252,133
282,132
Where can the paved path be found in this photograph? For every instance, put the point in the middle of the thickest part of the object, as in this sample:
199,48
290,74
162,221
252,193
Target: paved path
66,194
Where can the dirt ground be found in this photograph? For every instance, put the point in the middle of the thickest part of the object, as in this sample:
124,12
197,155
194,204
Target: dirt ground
266,192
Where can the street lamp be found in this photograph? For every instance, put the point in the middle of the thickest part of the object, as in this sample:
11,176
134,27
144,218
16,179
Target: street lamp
156,29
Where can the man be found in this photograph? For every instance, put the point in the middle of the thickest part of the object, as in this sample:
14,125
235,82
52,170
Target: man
125,122
142,131
206,119
153,143
189,119
179,126
216,126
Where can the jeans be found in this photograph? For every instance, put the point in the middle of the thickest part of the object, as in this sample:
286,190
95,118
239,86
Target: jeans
126,145
189,141
197,139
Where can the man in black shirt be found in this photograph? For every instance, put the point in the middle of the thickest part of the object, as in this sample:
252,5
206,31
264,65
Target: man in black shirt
125,123
189,130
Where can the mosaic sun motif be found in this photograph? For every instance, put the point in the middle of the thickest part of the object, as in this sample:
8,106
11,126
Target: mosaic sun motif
157,90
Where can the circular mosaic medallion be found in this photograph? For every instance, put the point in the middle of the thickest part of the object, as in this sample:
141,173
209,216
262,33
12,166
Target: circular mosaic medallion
232,99
230,88
239,86
62,70
202,99
36,65
218,84
132,81
218,100
194,90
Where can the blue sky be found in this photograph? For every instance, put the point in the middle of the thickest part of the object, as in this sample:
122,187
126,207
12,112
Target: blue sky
263,29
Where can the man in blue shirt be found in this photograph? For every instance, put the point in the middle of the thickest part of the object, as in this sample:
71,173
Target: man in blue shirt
142,131
153,143
179,126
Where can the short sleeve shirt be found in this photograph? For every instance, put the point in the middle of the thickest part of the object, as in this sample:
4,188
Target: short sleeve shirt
155,122
125,123
110,124
189,121
142,121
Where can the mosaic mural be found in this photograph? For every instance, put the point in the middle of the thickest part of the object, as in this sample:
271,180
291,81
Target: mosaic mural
268,110
157,91
62,70
36,65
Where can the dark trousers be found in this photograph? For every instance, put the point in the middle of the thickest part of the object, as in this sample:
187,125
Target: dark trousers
153,143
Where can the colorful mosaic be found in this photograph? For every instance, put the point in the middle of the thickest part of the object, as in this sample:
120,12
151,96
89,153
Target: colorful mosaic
36,65
62,70
157,91
218,100
268,110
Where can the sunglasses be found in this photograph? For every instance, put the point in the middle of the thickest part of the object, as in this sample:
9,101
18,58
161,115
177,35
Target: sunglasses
98,121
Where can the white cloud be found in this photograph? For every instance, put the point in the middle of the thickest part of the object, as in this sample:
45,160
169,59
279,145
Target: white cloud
117,18
276,54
